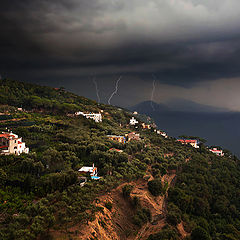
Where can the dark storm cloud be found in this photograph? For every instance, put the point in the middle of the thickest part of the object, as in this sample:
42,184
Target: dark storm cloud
183,42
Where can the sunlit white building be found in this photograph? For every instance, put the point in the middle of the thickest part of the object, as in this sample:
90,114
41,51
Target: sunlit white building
97,117
91,170
133,121
10,143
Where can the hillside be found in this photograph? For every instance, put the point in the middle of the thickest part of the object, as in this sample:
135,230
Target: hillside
153,188
216,125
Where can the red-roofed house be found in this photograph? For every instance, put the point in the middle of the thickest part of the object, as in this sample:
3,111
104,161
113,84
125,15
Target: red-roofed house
217,152
192,142
10,143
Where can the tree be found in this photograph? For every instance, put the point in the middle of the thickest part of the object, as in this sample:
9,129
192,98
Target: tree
155,187
199,233
3,177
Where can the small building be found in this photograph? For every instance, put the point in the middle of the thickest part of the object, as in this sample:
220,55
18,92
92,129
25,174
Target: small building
146,126
192,142
120,139
133,136
97,117
217,152
91,170
10,143
115,150
164,134
133,121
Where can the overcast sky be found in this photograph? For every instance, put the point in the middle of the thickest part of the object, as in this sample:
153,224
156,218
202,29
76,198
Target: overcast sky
191,46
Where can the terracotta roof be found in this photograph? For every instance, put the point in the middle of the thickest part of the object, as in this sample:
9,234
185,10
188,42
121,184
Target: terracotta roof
215,150
187,140
3,146
6,135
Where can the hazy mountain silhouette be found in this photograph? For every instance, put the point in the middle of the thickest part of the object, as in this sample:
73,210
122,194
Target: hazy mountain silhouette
149,106
179,104
216,125
176,104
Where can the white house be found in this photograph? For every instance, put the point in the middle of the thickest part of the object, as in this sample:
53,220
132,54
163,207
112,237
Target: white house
133,121
92,170
217,152
97,117
10,143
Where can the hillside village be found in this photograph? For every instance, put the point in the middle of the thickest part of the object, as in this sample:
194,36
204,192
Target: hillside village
137,124
93,171
10,143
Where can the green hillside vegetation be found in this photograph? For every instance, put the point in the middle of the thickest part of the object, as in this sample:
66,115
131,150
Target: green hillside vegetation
40,191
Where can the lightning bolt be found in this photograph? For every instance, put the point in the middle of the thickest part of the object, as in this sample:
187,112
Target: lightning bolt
153,90
96,87
115,92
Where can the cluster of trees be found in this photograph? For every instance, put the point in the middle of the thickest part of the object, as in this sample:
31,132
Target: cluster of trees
167,233
30,96
206,197
155,187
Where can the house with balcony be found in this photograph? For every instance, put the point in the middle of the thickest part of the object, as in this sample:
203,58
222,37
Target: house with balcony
92,171
10,143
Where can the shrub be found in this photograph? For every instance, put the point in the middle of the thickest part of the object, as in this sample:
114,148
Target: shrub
155,187
165,234
126,190
173,218
108,205
142,216
199,233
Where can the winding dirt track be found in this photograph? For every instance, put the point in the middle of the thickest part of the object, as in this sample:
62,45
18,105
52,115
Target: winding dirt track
117,223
